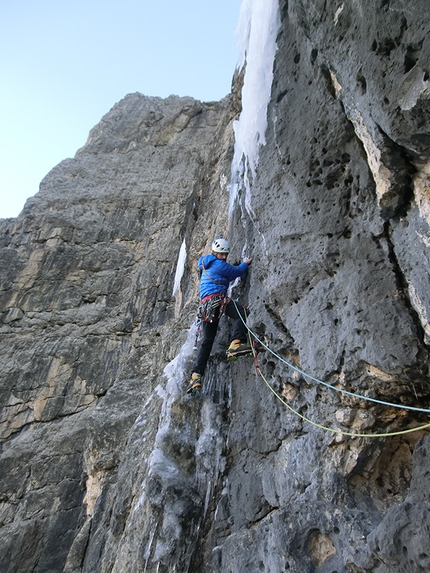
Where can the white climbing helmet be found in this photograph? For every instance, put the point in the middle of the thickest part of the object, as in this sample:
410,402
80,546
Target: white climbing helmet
220,246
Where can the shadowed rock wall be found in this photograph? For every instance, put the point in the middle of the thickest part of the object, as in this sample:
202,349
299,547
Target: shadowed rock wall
106,465
88,319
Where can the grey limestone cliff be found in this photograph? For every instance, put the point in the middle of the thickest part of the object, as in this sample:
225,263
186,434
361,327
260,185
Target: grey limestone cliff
105,464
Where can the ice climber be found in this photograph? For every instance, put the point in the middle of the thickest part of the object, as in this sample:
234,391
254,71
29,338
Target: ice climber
215,277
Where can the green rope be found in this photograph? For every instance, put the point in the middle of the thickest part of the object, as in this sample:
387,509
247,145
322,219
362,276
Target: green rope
334,430
321,426
360,396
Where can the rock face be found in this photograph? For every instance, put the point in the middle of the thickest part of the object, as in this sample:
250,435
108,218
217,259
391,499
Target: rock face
88,317
105,465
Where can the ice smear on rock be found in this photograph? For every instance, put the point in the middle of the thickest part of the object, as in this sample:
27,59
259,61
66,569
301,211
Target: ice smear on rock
171,393
180,267
257,29
184,467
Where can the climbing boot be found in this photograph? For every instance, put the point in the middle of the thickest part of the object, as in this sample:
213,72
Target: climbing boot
238,348
195,384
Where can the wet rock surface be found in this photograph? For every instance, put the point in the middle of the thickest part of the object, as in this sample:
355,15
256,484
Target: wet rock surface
105,464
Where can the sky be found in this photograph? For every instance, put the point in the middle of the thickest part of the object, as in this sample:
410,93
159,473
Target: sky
64,65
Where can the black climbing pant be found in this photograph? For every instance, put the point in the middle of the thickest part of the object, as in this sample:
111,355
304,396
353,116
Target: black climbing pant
209,332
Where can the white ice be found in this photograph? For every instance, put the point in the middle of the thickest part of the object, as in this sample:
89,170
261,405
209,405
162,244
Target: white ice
171,393
257,30
180,267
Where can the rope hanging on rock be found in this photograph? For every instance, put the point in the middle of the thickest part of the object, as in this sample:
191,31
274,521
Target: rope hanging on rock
337,430
403,407
321,426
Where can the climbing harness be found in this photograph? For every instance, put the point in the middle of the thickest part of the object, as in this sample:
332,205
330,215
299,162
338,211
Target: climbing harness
212,307
333,430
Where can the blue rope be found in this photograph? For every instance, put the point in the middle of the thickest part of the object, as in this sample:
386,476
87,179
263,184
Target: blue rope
326,383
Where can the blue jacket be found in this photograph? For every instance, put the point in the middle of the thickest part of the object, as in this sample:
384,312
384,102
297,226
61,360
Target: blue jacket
219,271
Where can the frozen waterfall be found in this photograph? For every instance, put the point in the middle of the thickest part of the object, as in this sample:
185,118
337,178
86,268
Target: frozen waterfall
257,29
